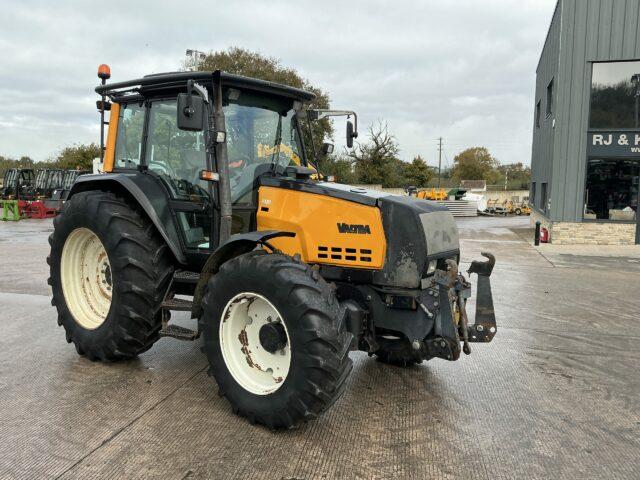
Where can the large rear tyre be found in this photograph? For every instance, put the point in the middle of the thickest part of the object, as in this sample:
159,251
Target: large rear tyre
398,352
109,273
275,339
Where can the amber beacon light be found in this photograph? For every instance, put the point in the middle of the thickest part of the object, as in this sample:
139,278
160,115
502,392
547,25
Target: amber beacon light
104,72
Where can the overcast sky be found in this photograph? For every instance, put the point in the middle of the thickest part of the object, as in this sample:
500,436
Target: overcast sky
463,70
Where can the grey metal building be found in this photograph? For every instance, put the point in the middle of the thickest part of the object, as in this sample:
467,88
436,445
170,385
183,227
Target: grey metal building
586,137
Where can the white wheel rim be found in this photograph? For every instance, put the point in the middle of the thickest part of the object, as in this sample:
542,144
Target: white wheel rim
85,274
254,368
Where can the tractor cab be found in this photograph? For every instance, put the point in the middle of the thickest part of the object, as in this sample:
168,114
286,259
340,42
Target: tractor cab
150,132
17,182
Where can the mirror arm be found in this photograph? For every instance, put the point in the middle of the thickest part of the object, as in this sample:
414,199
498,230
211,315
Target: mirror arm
319,114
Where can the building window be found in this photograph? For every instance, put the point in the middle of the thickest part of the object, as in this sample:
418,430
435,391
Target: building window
532,197
543,196
538,114
614,100
550,98
612,189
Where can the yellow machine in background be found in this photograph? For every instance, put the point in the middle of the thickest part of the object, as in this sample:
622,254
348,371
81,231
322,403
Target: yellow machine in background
522,209
432,194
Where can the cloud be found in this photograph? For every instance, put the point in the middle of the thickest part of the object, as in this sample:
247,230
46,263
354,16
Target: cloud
463,70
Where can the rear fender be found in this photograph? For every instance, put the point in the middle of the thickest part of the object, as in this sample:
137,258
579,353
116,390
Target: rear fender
147,193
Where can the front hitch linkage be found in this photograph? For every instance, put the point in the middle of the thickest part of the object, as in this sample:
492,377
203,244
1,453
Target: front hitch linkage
484,328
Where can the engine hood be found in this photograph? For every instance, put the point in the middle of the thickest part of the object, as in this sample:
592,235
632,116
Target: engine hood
417,231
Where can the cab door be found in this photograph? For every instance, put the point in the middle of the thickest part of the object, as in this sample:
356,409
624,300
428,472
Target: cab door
176,157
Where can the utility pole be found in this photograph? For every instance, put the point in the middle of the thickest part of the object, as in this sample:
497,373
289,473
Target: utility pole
635,81
439,160
506,178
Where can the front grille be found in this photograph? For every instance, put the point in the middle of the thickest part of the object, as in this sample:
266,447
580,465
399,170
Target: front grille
344,254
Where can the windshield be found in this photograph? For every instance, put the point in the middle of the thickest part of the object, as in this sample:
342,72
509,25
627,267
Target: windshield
261,137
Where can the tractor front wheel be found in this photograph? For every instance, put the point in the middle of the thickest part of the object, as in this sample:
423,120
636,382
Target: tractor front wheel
275,339
109,272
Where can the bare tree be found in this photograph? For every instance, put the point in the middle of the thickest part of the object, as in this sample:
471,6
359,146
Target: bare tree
376,161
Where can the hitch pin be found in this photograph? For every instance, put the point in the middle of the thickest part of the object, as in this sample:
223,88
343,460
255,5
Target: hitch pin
465,326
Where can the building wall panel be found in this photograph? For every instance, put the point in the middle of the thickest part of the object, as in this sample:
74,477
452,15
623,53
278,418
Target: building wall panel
588,31
543,137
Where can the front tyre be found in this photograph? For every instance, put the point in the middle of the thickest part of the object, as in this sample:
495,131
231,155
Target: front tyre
275,340
109,271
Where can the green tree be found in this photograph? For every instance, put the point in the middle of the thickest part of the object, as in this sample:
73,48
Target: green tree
341,167
376,161
240,61
517,175
417,173
475,163
77,156
23,162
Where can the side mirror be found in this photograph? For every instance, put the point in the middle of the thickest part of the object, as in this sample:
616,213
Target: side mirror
350,134
190,112
327,149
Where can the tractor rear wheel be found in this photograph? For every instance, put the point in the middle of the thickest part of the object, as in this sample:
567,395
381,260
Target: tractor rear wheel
109,272
398,352
275,339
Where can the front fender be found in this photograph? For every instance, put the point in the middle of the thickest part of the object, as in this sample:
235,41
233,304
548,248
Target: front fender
236,245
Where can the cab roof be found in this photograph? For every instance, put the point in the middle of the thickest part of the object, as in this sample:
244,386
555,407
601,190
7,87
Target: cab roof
177,81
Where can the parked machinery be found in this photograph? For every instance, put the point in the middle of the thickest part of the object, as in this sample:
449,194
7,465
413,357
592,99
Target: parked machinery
212,196
16,191
61,193
17,183
46,181
40,182
522,208
427,193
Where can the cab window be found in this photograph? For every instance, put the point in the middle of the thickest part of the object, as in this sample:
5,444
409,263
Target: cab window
176,155
129,141
261,137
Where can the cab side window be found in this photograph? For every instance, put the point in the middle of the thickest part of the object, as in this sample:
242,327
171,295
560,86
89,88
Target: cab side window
129,141
174,154
177,157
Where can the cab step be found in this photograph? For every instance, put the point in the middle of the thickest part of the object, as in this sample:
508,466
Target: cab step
186,276
177,304
181,333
